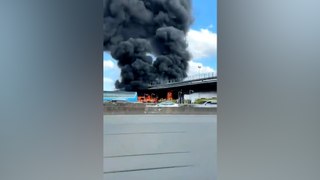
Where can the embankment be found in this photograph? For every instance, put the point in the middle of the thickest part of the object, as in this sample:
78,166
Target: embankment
127,108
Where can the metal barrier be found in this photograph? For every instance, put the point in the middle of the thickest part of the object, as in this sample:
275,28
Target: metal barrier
189,78
121,109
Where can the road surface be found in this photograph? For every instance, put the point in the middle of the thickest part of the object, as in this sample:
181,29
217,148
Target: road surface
160,147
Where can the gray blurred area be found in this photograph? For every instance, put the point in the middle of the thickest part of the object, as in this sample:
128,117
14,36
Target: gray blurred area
160,147
269,102
50,90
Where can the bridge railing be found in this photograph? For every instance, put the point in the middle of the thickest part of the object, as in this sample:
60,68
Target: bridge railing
189,78
200,76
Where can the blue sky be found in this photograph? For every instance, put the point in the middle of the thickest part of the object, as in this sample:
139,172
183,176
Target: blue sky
205,13
202,40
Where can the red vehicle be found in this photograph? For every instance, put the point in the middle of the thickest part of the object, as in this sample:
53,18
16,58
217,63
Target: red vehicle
147,98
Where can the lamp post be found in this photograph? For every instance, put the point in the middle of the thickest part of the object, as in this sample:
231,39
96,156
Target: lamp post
190,99
199,67
180,97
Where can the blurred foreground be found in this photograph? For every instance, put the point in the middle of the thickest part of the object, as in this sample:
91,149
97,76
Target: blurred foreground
160,147
117,108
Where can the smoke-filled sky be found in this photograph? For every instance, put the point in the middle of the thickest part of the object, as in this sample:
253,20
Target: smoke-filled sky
201,38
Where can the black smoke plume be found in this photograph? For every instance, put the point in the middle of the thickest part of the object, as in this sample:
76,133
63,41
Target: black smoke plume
134,29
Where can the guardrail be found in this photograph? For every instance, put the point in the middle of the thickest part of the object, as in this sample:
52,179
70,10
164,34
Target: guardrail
189,78
122,109
200,76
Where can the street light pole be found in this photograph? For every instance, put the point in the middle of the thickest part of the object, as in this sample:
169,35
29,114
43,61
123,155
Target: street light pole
190,99
199,67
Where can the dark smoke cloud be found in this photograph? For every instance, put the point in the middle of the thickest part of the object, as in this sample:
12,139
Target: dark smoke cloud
135,28
136,66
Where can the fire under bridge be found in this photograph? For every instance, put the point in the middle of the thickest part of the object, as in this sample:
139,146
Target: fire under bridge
198,83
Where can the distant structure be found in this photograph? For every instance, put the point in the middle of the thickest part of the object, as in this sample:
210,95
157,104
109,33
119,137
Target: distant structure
120,96
185,91
188,90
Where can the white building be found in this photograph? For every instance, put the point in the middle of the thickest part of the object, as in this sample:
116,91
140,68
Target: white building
194,96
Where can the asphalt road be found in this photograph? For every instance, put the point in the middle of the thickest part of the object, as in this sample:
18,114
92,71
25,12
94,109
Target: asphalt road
160,147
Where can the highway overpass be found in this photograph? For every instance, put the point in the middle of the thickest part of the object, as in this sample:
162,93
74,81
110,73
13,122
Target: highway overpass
200,83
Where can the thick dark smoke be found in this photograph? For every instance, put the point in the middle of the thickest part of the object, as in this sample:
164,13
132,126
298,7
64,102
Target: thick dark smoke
134,29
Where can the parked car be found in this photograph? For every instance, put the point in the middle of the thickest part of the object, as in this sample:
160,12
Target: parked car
167,104
207,104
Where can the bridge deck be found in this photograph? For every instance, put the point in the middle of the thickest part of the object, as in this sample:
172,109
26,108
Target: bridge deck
184,83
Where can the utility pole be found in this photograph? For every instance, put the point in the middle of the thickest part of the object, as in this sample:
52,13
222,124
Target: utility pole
199,72
180,96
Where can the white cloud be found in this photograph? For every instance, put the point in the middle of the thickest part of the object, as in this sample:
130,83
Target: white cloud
111,73
108,64
107,80
202,43
195,70
108,84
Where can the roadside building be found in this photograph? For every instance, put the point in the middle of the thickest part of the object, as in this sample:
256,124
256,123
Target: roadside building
192,97
120,96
